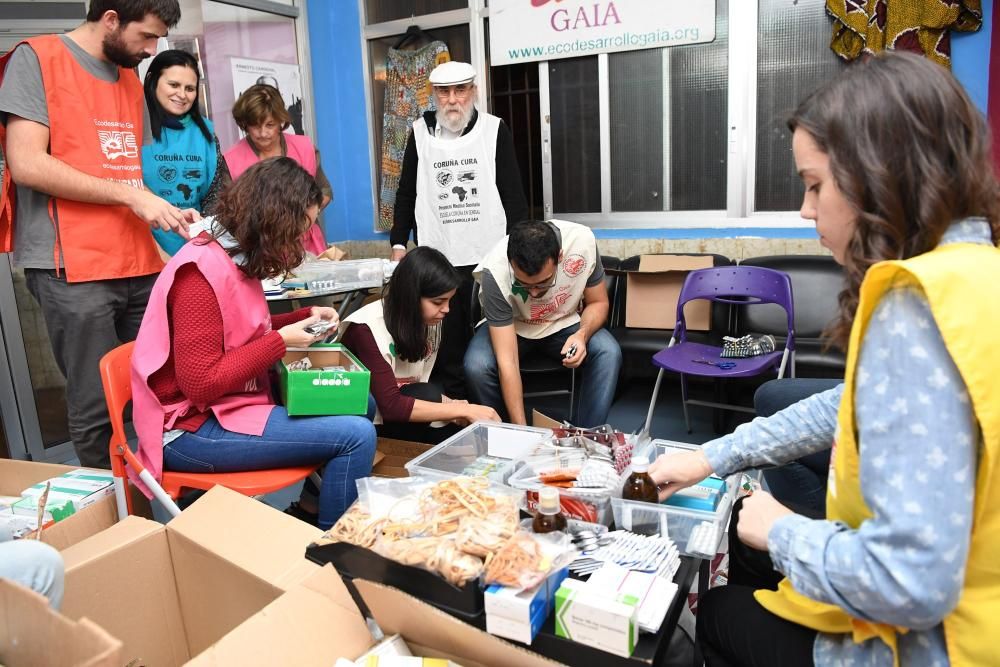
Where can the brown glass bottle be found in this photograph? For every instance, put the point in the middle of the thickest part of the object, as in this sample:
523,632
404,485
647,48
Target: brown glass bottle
639,485
549,517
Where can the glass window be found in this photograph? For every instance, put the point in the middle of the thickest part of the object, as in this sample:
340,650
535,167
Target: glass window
574,111
391,10
793,58
669,113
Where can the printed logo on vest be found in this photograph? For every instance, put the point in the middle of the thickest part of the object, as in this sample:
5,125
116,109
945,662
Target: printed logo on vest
574,265
168,174
115,144
444,178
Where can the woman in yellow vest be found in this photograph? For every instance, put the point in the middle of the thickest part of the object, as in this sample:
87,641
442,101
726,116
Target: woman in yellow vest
904,569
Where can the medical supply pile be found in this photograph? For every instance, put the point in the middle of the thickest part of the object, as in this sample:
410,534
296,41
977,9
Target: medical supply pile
53,500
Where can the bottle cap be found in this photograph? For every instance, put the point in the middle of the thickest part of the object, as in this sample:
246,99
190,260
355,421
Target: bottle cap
548,500
640,464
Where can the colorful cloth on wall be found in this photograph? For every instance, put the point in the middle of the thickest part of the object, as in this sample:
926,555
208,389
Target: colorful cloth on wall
407,96
922,26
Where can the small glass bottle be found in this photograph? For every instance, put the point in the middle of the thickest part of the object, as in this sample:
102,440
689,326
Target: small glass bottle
639,485
549,517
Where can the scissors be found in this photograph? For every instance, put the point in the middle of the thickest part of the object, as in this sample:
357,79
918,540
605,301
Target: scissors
724,365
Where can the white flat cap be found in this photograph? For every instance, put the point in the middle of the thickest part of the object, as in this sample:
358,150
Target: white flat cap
452,73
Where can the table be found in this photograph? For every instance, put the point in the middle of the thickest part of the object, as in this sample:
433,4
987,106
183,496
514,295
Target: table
351,295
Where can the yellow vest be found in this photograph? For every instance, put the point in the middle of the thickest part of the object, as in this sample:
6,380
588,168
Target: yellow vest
958,280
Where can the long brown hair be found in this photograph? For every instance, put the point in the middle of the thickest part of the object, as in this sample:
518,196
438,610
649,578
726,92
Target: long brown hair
909,152
265,211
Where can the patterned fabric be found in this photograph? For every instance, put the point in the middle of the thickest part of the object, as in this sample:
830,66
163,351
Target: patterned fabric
905,566
407,96
921,26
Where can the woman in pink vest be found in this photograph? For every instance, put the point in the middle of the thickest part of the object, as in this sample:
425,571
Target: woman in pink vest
261,113
201,393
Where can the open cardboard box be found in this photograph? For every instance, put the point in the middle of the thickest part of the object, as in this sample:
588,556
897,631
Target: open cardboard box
32,634
169,592
317,621
654,288
15,476
391,456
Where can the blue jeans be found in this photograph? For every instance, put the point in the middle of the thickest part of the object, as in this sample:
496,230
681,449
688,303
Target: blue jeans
346,445
596,387
35,565
801,482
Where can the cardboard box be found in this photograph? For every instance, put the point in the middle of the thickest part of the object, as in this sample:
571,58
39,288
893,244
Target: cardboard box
653,290
169,592
317,622
319,392
596,620
395,455
16,476
31,634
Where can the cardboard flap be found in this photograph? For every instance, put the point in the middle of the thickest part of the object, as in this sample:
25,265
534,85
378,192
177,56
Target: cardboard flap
313,623
120,535
540,420
444,635
31,633
253,536
662,263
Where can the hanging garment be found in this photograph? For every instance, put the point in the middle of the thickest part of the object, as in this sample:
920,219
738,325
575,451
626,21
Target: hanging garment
407,96
921,26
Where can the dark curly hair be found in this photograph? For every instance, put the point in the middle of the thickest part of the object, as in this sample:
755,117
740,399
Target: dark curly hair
265,211
909,152
129,11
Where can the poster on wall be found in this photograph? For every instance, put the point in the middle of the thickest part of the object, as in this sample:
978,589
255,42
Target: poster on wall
531,30
284,77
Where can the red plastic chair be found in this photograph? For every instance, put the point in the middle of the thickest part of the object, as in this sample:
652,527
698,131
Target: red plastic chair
115,375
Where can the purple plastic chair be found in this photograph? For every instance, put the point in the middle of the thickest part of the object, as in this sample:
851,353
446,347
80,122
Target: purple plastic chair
740,286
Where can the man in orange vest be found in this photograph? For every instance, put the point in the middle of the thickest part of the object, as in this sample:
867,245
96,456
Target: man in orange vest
74,117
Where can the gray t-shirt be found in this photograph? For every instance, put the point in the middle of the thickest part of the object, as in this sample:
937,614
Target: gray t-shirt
498,311
22,94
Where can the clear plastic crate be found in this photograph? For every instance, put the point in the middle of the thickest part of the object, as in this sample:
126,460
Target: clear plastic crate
678,523
468,453
345,275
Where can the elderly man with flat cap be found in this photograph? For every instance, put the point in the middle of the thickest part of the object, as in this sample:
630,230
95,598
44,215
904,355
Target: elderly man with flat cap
459,192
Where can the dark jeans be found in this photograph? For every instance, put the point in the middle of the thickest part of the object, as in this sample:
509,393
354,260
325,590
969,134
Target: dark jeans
456,331
85,321
734,629
415,431
345,445
801,482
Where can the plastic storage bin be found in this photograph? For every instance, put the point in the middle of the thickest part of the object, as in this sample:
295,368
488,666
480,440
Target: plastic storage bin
468,453
319,392
347,275
696,532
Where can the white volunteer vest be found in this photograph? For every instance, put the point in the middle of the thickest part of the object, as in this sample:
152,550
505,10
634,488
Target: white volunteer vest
458,208
559,307
406,372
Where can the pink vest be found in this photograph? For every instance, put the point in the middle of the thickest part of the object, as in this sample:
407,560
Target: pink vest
240,157
245,317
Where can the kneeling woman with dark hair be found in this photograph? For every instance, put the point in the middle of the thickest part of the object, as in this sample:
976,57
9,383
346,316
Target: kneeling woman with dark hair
200,366
398,337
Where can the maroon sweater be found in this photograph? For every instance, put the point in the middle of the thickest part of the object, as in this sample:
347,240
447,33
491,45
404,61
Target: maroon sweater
198,367
392,405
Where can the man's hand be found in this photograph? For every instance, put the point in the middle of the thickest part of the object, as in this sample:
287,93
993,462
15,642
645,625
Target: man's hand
578,344
160,213
398,254
673,472
760,511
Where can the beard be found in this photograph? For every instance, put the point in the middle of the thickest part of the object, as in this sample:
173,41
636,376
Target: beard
452,123
115,51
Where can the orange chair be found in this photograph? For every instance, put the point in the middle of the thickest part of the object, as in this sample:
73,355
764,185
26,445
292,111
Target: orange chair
115,375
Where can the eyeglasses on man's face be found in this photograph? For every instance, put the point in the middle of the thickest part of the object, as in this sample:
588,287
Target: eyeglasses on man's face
461,91
536,288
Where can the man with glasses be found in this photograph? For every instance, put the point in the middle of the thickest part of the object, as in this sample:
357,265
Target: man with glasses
459,192
532,285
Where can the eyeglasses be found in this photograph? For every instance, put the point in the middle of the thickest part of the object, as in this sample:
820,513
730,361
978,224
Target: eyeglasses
540,288
461,91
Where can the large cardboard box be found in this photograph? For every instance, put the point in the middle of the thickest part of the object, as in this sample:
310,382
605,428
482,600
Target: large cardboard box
15,476
32,634
169,592
395,454
317,622
653,289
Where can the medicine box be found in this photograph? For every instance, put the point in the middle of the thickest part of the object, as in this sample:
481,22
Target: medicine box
705,495
604,622
342,390
523,631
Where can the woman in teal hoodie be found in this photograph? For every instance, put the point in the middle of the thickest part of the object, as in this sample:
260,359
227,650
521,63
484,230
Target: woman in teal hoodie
184,164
